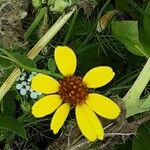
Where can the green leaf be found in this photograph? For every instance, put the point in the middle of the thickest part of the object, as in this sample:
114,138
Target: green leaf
145,31
146,20
59,6
51,2
142,140
51,65
3,134
37,3
146,105
4,63
13,125
141,105
24,60
127,33
7,147
8,104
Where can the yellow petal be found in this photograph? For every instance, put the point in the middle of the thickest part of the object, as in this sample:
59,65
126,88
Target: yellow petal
88,123
46,105
65,59
60,117
44,84
98,77
103,106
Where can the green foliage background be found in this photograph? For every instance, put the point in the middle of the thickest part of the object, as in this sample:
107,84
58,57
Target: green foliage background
114,46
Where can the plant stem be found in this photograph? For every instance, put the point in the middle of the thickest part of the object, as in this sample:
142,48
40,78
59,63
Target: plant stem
23,66
35,23
103,8
5,57
71,27
35,50
132,98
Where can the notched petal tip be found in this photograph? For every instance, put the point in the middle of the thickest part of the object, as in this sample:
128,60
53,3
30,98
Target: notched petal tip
89,123
65,59
59,117
98,76
103,106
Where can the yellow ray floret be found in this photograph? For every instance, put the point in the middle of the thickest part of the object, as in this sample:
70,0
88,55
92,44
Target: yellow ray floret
88,123
65,60
59,117
98,77
46,105
44,84
103,106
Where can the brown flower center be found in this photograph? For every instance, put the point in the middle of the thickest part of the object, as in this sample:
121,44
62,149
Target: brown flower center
72,90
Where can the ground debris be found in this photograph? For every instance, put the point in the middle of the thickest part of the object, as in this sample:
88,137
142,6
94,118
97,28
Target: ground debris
11,30
87,5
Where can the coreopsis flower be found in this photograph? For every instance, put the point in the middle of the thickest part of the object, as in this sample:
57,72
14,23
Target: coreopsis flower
74,91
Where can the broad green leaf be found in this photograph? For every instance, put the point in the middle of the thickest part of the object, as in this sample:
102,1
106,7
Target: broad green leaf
51,65
132,101
146,105
141,105
127,33
142,139
23,59
13,125
145,31
147,20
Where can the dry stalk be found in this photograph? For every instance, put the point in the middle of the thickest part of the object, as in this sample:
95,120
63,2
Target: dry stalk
36,49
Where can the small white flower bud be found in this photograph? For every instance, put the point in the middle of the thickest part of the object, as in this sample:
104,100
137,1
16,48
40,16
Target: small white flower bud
22,78
18,86
24,83
33,95
23,92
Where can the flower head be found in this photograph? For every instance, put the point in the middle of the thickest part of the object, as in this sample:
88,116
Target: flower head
74,91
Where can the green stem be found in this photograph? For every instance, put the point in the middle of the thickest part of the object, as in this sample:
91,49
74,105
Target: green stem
7,53
5,57
21,65
57,75
35,23
132,98
142,50
103,8
71,27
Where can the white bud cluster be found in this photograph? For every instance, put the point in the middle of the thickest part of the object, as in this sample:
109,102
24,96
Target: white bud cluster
24,85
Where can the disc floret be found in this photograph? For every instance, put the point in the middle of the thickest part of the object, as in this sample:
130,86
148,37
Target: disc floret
72,90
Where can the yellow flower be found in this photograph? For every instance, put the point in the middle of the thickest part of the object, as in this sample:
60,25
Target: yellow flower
74,91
